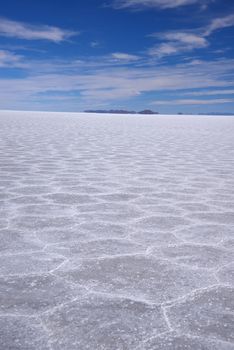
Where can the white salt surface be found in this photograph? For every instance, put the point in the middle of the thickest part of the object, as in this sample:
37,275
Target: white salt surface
116,232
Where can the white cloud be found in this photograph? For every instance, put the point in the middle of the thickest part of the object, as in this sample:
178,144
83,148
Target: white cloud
162,50
109,94
219,23
54,82
189,39
194,102
210,93
26,31
162,4
124,56
9,59
177,42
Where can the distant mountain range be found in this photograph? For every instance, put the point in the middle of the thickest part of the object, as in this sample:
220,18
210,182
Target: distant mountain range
120,111
147,111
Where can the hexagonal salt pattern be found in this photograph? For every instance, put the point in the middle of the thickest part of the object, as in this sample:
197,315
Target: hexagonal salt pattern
116,232
209,313
139,276
174,341
104,322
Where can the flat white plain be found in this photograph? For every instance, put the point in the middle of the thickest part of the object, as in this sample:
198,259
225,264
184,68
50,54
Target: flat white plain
116,232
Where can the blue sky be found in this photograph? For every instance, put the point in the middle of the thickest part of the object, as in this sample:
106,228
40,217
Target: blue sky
167,55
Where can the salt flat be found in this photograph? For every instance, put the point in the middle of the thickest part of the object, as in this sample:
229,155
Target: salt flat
116,232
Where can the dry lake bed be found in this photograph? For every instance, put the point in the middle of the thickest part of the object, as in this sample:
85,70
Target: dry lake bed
116,232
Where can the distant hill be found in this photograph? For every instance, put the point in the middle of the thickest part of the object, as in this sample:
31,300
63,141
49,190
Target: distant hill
147,111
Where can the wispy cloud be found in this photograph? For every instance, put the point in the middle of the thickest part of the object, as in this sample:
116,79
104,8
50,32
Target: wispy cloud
177,42
219,23
13,29
56,83
189,39
161,4
109,94
124,56
9,59
193,102
210,93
